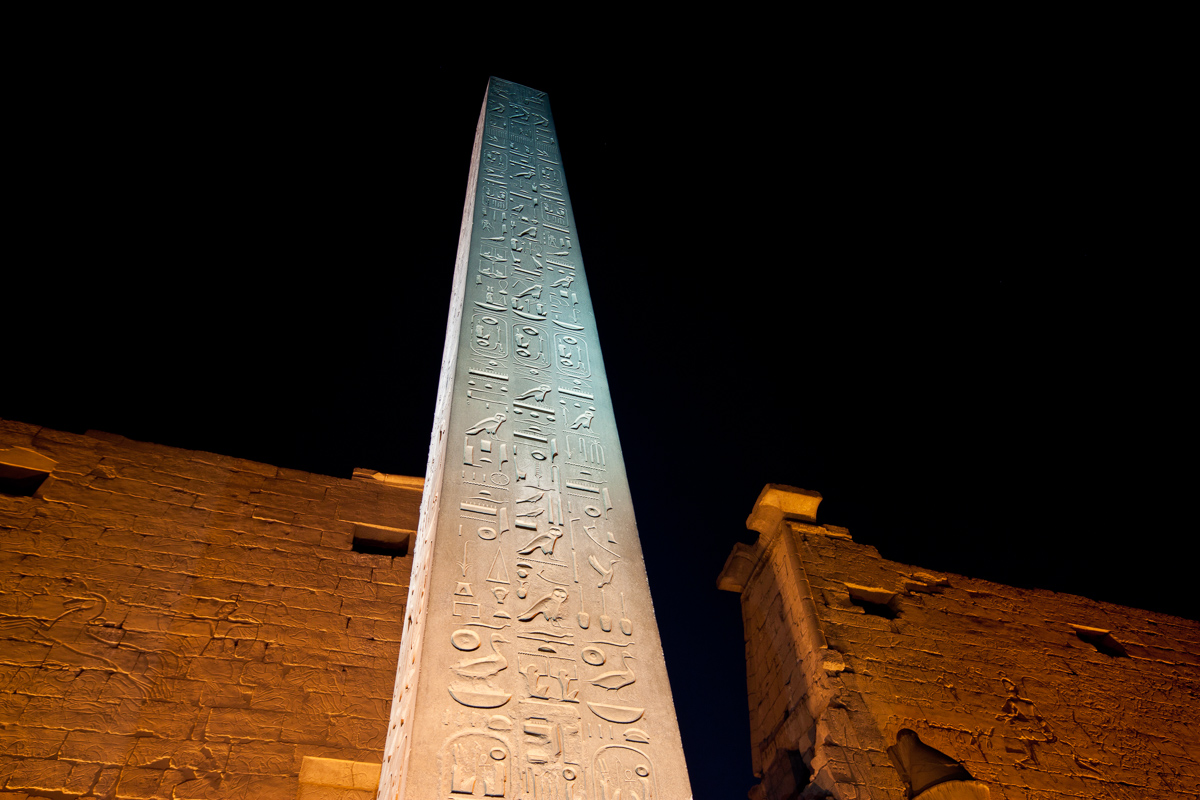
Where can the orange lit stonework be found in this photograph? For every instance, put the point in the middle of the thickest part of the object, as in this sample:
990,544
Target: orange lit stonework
1037,694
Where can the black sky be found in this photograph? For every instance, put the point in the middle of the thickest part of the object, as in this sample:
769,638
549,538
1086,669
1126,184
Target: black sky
887,278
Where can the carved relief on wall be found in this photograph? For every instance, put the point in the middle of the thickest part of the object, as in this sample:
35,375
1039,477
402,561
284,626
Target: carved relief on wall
624,773
476,764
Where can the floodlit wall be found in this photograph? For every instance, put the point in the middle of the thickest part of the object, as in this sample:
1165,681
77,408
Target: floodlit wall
1038,694
178,624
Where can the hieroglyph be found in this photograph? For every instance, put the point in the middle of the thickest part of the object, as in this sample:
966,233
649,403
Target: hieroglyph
531,665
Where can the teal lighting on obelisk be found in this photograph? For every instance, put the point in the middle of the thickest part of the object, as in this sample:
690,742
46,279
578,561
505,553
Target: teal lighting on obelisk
531,664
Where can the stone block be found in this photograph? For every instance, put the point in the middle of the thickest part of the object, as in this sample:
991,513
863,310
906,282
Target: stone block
310,638
340,774
359,732
362,590
11,707
395,595
243,725
307,729
268,514
276,698
356,607
346,659
262,758
36,775
221,670
30,741
235,464
68,529
311,792
242,642
32,542
292,488
218,475
367,707
297,656
233,522
225,505
310,679
315,479
396,576
322,703
238,488
216,588
300,579
81,778
142,489
182,532
393,512
318,508
106,782
317,601
323,523
13,432
337,540
371,682
370,647
67,714
100,748
235,786
43,681
285,547
163,754
258,673
139,783
167,720
18,653
156,474
221,695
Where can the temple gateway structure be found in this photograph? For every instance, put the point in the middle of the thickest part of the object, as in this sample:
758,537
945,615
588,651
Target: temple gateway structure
873,679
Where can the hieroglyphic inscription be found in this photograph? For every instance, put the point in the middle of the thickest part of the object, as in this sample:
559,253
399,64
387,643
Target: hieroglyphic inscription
537,586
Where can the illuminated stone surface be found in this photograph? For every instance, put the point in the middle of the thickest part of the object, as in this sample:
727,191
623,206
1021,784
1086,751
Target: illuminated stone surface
1037,694
531,663
334,779
176,624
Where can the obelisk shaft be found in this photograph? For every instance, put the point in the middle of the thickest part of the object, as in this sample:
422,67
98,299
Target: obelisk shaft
531,665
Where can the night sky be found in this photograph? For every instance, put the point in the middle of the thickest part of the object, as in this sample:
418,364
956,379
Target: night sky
892,282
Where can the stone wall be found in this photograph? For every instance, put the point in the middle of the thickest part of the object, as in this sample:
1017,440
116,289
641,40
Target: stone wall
1038,694
177,624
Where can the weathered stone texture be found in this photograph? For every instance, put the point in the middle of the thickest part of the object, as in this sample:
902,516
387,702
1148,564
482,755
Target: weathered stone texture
177,624
844,648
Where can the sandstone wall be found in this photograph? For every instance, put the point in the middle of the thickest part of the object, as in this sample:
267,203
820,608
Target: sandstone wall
178,624
1024,687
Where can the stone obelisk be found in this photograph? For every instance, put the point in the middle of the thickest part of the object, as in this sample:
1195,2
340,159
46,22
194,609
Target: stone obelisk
531,665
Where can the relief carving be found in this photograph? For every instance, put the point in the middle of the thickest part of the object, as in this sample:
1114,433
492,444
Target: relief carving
477,691
544,542
550,607
474,764
623,773
552,755
489,335
617,679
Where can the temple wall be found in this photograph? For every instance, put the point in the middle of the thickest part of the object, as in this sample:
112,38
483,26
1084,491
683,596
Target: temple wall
188,625
1023,687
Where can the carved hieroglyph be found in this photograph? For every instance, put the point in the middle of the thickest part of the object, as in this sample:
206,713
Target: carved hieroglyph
531,665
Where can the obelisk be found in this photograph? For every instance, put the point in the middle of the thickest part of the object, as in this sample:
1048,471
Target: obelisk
531,665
